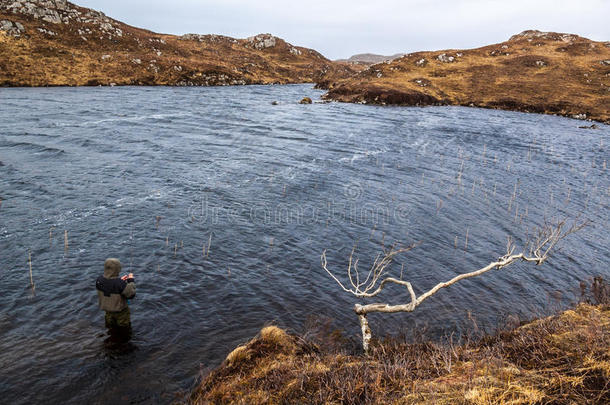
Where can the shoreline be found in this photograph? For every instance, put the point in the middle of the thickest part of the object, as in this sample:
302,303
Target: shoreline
324,98
469,105
561,358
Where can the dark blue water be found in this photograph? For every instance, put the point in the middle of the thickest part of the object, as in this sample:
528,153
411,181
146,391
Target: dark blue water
148,174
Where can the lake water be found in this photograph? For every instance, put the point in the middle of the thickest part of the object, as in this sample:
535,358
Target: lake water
149,174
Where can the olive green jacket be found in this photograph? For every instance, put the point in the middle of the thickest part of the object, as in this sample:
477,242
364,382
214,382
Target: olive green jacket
113,292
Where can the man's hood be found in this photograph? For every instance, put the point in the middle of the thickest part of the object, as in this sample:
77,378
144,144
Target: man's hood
112,268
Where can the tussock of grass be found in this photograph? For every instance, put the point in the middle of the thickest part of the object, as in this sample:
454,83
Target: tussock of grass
562,359
270,339
238,355
275,335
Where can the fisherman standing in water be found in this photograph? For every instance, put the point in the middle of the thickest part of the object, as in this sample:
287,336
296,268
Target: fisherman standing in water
113,293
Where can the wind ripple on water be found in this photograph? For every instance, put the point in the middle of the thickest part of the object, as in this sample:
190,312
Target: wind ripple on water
154,175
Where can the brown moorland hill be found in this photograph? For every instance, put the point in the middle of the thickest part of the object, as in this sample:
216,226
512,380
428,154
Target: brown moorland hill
534,71
54,43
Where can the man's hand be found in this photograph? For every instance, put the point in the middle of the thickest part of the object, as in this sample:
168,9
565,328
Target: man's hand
127,277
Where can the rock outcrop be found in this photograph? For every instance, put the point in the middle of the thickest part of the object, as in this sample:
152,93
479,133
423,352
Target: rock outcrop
263,41
55,42
542,72
15,29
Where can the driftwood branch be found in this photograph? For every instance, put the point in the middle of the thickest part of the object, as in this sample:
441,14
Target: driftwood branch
362,288
543,243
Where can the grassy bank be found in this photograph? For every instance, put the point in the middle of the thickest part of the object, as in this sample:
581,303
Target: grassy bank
562,359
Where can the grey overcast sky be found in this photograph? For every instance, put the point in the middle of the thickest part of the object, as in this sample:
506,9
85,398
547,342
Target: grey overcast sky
341,28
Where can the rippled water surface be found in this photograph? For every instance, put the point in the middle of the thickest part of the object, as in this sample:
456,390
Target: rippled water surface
149,175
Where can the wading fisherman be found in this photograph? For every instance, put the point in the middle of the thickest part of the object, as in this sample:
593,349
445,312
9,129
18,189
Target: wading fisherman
113,293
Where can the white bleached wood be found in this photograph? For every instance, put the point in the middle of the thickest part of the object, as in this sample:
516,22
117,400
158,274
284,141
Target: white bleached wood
546,239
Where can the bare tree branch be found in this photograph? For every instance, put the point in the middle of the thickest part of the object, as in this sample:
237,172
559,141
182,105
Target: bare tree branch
361,289
544,242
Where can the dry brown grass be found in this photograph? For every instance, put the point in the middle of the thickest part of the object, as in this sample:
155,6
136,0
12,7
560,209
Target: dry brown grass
553,73
66,59
562,359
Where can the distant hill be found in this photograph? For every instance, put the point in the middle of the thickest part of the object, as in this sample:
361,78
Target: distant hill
54,42
544,72
370,58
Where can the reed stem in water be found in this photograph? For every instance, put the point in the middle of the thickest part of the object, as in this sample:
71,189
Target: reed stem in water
31,276
207,253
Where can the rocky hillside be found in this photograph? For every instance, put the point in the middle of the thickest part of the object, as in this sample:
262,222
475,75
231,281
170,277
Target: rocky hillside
534,71
54,42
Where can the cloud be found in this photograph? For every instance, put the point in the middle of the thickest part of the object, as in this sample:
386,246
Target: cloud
342,28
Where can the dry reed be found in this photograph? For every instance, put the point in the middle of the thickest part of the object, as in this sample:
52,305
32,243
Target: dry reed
31,275
207,253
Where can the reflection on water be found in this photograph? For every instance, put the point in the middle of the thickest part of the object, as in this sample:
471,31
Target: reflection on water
221,205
